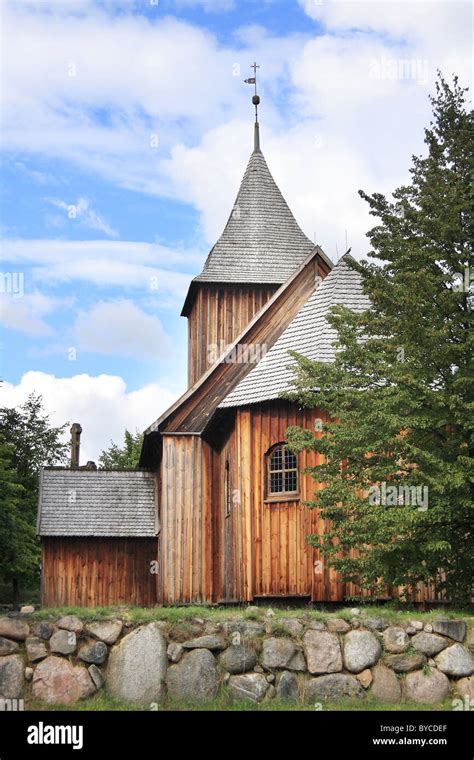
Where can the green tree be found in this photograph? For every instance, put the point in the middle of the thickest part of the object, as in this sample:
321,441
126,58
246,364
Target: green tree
125,456
400,393
27,442
18,550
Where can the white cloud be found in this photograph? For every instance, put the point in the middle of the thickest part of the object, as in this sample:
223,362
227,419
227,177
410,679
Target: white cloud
214,197
353,124
41,178
120,327
435,34
82,212
100,91
25,313
102,404
314,166
344,127
131,264
418,19
63,66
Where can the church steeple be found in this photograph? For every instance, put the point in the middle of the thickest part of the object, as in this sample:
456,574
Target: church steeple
256,102
256,137
260,247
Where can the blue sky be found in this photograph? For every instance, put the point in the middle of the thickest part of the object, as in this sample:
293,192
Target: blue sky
126,127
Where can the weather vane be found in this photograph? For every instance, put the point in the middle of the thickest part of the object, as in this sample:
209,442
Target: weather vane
255,101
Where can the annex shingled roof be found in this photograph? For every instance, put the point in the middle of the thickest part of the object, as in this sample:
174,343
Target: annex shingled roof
309,333
110,503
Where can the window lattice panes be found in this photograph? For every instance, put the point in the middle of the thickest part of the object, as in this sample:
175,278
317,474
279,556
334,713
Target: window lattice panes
282,471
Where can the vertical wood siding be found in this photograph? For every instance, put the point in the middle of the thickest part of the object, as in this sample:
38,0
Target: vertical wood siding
276,558
205,555
263,547
227,533
220,313
91,572
186,520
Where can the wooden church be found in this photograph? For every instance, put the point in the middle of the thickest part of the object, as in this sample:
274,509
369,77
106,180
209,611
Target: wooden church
215,513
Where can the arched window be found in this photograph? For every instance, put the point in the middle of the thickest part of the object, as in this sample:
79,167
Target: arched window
282,471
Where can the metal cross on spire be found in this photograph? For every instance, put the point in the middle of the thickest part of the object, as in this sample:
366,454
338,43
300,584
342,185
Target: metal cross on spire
255,101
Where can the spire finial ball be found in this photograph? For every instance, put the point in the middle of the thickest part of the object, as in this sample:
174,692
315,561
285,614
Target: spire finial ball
255,100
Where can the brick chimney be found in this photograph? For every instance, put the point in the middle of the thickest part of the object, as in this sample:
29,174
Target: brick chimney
76,431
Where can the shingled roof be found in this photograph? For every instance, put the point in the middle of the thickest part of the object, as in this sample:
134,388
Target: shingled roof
309,333
110,503
261,242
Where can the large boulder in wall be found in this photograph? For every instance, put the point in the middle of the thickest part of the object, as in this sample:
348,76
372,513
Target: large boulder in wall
194,678
136,671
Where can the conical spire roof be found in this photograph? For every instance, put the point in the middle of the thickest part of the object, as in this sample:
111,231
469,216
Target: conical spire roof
261,242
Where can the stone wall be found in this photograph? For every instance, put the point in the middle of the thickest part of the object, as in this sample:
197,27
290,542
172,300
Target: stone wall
253,656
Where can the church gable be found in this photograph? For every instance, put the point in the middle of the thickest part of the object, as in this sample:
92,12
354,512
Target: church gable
193,412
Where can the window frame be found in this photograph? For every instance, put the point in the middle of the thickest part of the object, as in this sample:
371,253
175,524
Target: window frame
280,495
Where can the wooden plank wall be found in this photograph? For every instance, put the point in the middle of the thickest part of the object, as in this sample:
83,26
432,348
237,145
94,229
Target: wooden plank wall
186,520
261,548
269,538
276,557
92,572
220,313
227,571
